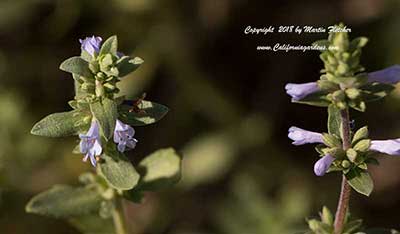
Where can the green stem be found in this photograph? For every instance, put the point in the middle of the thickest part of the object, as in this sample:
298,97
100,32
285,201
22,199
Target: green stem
119,217
344,198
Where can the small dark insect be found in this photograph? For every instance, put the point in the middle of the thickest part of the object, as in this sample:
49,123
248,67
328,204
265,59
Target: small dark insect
135,104
352,124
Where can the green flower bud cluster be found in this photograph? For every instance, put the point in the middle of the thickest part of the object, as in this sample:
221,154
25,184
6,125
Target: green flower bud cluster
105,70
325,225
357,156
341,77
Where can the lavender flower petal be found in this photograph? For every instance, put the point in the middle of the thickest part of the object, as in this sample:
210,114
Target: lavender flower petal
391,147
123,136
299,91
322,165
301,136
91,44
90,144
389,75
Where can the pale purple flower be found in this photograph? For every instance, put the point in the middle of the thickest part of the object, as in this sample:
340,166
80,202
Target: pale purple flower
322,165
91,44
123,136
299,91
90,144
391,147
301,136
389,75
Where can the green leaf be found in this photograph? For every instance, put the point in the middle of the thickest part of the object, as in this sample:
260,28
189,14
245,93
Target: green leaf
361,133
110,46
59,124
160,169
76,65
147,113
358,42
118,171
371,160
315,99
326,216
362,145
331,140
92,224
319,227
334,121
65,201
361,181
134,195
106,114
127,65
352,226
375,91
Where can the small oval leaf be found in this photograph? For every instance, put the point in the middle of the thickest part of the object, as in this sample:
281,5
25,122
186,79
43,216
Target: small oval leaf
160,169
118,171
146,113
64,201
76,65
59,124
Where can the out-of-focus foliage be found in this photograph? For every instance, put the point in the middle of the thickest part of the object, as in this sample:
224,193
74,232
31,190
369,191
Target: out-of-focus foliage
230,113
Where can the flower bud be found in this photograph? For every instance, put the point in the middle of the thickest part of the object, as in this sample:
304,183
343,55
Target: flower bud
322,165
362,145
346,164
299,91
301,136
391,147
390,75
351,154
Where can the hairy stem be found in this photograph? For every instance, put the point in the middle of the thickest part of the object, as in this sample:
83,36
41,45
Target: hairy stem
119,217
344,198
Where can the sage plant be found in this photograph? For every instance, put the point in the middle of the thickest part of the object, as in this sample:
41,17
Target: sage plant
344,86
104,120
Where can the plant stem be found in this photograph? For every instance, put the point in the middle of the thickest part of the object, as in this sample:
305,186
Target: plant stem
119,217
344,198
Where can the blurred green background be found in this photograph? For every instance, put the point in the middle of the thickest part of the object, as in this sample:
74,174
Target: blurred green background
229,112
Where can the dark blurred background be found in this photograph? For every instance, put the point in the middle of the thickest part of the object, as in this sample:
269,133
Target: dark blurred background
229,111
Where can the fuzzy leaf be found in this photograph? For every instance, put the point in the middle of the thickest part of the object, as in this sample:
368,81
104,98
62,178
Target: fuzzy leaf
315,99
147,113
352,226
106,113
160,169
64,201
110,46
118,171
76,65
127,65
92,224
334,120
361,181
361,133
375,91
58,125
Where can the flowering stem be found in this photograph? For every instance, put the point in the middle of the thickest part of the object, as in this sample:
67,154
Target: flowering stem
119,217
344,198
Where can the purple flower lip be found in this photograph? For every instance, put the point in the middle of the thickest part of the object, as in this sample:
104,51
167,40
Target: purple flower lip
391,147
123,136
91,44
299,91
322,165
389,75
301,136
90,143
